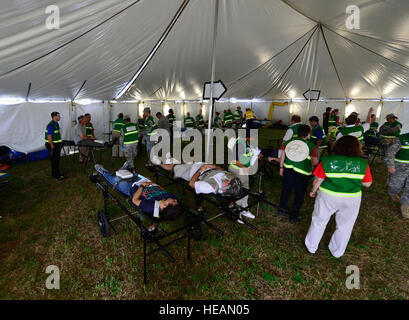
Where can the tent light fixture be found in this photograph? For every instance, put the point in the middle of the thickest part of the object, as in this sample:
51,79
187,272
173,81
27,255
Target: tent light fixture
378,112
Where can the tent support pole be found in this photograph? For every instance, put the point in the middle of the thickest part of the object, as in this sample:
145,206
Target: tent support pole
291,64
211,102
155,49
28,91
71,41
333,63
78,92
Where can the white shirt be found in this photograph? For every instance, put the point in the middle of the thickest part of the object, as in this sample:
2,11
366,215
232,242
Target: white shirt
366,127
204,187
289,133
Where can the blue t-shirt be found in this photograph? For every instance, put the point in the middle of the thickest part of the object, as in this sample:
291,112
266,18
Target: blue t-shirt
149,195
51,128
319,133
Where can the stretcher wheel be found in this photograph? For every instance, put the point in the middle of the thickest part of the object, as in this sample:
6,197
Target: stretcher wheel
103,223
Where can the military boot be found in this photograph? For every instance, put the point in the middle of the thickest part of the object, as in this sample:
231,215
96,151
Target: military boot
395,198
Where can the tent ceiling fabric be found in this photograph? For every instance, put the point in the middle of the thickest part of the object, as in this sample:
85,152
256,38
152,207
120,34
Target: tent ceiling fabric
265,49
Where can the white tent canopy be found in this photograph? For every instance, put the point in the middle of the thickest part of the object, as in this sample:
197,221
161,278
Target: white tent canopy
265,50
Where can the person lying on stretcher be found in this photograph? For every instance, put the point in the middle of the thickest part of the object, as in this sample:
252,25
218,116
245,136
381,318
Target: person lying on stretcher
209,178
206,178
147,196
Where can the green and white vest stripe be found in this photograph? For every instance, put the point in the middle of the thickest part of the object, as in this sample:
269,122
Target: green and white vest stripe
314,138
151,121
199,118
303,167
355,131
392,125
130,133
403,155
88,128
344,175
171,118
57,134
118,125
189,122
294,128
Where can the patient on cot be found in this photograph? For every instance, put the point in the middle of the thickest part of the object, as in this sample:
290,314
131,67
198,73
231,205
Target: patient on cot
207,178
147,196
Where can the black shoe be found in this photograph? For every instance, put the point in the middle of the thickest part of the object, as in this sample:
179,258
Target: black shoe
59,178
295,219
306,249
282,212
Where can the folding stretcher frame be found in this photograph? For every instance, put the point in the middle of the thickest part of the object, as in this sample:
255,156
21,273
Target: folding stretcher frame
226,205
151,231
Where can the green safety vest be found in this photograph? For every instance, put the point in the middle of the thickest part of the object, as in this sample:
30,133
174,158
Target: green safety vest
294,128
130,133
332,121
216,121
392,125
372,130
141,125
305,166
171,118
228,117
189,122
118,125
238,115
245,158
355,131
344,175
403,155
88,128
153,128
199,118
56,135
314,138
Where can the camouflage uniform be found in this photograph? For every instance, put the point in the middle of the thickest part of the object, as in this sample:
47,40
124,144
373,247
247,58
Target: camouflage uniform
387,130
398,180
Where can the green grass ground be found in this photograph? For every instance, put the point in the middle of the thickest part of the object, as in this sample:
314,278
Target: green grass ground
54,223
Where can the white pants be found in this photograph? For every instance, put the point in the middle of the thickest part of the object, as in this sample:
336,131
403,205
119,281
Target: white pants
346,211
244,178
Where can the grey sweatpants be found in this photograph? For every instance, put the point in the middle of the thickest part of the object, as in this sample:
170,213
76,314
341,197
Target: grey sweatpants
116,149
131,151
346,211
399,181
149,145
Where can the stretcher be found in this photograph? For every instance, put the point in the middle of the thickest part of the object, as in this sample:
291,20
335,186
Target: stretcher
151,231
226,205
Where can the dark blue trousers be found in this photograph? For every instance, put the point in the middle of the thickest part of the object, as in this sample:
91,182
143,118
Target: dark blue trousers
298,182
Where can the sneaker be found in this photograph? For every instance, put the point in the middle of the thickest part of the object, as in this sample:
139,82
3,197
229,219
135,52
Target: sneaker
405,211
155,160
175,161
239,221
248,214
99,168
395,198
